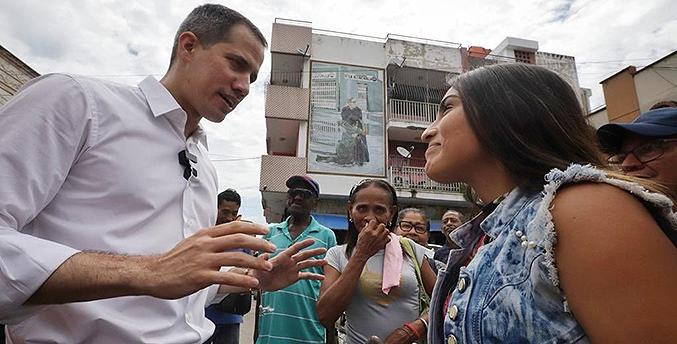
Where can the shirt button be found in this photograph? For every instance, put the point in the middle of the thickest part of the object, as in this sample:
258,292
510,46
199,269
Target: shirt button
461,285
189,223
451,339
453,312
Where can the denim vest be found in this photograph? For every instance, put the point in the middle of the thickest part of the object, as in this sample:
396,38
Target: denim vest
509,292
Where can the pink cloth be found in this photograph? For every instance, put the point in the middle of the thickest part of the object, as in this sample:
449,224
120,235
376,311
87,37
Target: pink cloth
392,264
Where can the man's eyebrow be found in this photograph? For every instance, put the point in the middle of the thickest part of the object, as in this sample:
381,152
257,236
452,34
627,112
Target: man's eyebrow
244,64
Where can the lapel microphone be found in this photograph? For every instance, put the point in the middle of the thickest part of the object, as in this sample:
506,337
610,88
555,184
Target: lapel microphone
185,160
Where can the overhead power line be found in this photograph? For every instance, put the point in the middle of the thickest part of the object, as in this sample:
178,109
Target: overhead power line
159,74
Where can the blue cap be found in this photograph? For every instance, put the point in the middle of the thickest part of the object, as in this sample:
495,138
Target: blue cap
655,123
309,182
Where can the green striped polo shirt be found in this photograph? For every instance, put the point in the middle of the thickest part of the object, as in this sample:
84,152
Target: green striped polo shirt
288,315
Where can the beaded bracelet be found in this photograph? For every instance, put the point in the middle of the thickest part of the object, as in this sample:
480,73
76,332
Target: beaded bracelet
408,325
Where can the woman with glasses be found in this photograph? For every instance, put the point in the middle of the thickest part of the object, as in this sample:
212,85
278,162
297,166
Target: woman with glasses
413,223
565,250
379,281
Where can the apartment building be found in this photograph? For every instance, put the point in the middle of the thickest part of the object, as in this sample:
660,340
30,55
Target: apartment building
343,107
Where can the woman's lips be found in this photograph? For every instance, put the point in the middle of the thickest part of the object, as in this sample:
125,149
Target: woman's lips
430,149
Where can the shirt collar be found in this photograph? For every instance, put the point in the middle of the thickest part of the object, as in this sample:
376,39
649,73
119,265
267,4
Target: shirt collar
313,226
159,99
161,103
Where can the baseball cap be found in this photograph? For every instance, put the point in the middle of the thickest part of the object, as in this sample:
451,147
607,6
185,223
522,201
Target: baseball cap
309,182
655,123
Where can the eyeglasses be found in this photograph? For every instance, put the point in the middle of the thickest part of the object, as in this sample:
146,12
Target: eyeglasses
407,226
647,152
304,193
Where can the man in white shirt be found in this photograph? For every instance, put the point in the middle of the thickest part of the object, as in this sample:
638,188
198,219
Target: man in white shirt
108,199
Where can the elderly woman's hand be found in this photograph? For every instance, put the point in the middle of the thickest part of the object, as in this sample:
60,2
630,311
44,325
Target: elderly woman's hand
371,239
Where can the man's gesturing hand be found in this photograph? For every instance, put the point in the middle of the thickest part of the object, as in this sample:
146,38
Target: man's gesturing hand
194,263
287,266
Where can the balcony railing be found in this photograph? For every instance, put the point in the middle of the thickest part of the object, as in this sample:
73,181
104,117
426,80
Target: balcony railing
408,177
412,111
285,78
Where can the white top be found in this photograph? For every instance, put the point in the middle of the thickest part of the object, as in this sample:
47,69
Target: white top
370,311
93,165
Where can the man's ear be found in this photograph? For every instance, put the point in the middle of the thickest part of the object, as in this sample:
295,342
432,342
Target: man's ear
187,45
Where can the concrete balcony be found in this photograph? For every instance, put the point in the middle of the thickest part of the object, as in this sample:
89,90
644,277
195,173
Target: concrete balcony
286,102
412,111
291,37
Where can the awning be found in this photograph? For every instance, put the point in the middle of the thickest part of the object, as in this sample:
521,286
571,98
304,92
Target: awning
336,222
339,222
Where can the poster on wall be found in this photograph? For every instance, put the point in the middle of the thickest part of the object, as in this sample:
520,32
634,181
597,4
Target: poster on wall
347,120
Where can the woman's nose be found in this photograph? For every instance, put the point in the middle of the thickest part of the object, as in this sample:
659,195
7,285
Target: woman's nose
428,134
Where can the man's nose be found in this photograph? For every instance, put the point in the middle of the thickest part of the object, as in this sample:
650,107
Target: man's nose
241,87
630,163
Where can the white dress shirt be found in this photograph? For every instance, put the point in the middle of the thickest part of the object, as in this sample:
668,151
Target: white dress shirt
93,165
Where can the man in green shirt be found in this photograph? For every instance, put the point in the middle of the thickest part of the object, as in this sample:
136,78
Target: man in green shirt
288,315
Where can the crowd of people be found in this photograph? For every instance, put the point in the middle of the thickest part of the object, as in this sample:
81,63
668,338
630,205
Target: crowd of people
105,238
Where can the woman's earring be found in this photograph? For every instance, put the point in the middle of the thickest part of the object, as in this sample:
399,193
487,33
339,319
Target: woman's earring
350,220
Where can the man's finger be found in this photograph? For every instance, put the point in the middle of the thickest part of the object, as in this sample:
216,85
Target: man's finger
241,259
303,255
236,241
234,279
310,263
294,249
310,276
237,227
374,340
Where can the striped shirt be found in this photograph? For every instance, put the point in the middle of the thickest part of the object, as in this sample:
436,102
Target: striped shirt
288,315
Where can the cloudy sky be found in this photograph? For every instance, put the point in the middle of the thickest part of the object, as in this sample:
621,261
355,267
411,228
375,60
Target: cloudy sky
126,40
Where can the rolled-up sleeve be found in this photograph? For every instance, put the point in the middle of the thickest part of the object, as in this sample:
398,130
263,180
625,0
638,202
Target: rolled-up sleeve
43,130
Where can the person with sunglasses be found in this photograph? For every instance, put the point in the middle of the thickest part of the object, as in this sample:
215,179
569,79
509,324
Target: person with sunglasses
288,315
645,148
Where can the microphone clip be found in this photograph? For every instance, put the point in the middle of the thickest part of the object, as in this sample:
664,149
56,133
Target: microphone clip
185,160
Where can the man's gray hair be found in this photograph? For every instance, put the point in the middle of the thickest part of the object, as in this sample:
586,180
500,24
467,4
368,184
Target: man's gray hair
211,24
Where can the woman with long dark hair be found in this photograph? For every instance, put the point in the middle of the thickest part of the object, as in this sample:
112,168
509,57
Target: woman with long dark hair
359,273
568,251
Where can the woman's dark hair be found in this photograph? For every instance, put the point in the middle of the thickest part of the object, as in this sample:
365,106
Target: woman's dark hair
529,118
406,211
351,237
